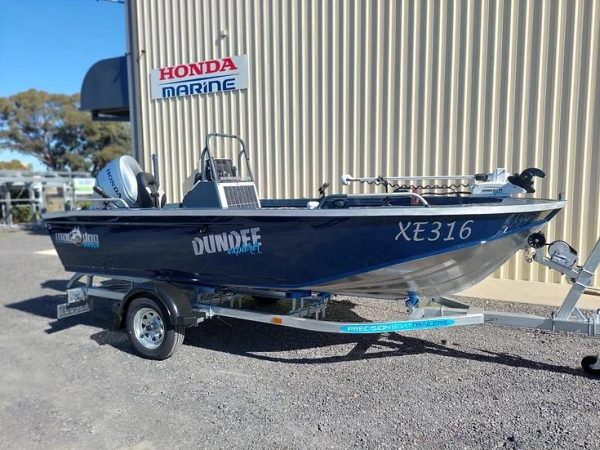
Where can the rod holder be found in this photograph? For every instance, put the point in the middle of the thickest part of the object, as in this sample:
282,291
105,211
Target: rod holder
155,171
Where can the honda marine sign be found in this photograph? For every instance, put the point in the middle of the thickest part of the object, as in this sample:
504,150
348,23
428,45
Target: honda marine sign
203,77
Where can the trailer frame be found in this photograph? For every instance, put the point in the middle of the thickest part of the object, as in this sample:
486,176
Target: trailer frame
188,305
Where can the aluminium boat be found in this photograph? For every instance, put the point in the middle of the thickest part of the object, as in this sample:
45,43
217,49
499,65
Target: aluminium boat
410,240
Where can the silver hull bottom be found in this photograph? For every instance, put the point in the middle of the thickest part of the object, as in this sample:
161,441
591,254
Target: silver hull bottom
432,276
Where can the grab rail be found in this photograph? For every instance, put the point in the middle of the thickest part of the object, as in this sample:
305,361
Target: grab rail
395,194
243,152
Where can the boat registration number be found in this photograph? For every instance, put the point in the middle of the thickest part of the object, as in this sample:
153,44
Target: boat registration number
434,231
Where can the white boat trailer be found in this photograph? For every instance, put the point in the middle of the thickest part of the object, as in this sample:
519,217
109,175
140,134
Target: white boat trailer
307,310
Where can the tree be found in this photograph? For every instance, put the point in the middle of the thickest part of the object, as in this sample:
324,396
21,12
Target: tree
51,128
14,164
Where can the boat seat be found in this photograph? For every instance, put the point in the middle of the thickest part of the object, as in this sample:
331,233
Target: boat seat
148,194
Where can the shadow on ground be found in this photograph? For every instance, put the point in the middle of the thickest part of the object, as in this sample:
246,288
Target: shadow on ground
45,306
266,342
233,337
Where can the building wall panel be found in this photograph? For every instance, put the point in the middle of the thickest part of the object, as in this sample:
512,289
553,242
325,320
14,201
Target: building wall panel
384,87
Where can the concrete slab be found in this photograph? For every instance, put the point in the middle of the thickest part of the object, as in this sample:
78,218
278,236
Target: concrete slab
533,292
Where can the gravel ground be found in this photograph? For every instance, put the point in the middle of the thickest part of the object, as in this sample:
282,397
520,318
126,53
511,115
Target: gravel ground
75,384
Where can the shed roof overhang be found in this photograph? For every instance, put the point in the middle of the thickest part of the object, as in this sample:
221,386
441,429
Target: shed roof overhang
104,91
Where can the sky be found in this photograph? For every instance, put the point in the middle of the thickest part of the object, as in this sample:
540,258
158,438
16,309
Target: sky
50,44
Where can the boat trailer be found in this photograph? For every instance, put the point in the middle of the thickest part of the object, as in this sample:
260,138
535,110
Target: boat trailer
155,313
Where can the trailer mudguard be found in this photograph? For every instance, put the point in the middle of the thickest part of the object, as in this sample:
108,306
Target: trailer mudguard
176,303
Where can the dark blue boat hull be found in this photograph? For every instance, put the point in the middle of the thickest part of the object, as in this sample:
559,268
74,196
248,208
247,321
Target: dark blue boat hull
384,256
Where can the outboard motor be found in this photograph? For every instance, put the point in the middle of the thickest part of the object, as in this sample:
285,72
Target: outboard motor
123,178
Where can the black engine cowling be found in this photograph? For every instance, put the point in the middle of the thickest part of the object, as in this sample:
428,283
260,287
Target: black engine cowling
525,178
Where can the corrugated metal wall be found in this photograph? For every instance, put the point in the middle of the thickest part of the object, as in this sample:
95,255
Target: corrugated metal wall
386,87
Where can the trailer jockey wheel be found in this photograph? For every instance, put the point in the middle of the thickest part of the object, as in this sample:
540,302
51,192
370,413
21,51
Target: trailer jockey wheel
590,365
150,332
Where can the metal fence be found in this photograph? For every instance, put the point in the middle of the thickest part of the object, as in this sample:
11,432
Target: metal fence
30,190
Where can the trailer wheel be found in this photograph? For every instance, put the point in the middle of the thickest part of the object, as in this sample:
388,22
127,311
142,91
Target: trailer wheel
150,333
587,363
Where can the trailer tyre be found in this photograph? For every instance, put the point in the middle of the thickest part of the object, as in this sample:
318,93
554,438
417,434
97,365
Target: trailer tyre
150,332
587,363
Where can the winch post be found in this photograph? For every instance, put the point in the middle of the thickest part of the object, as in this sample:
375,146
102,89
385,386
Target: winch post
580,284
